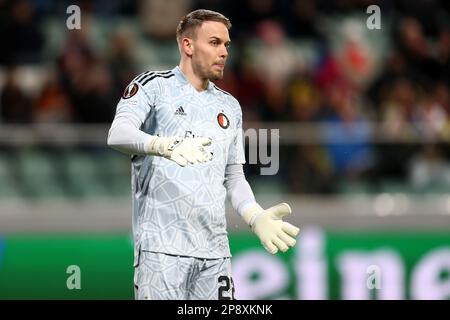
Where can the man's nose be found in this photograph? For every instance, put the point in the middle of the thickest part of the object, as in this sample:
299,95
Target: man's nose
224,52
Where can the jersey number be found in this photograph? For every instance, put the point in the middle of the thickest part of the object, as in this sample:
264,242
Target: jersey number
225,284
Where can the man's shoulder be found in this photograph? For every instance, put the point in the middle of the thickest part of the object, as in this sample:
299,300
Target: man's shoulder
149,77
226,95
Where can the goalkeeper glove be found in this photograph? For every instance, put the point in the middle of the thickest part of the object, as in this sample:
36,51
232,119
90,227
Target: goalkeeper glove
181,150
273,232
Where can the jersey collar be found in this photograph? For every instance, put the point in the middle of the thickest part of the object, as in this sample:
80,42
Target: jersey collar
179,75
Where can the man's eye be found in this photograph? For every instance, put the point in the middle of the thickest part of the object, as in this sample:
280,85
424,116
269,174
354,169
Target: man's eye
214,43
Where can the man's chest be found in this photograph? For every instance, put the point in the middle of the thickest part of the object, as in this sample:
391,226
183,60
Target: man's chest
190,115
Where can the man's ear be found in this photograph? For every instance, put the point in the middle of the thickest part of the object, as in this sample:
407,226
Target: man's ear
187,46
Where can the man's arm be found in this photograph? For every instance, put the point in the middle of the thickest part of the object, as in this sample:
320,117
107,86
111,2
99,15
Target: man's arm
268,225
126,136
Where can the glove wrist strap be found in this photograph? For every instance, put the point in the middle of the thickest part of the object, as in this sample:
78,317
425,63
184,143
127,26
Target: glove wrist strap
252,213
253,218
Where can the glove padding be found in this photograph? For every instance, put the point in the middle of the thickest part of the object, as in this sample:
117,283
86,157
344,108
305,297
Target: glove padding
181,150
273,232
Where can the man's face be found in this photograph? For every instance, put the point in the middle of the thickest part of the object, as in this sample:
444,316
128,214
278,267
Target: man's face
210,50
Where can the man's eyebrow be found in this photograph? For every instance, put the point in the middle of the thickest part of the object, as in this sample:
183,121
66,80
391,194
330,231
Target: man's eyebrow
217,38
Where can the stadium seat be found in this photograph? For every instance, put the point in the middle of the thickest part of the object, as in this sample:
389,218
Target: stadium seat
8,185
39,174
82,173
354,187
115,172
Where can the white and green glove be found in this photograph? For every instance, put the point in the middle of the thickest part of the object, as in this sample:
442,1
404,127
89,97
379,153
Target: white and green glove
273,232
181,150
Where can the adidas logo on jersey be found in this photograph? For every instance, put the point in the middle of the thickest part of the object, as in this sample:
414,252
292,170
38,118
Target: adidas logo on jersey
180,111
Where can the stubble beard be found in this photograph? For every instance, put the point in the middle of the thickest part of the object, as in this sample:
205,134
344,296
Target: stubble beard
207,73
215,76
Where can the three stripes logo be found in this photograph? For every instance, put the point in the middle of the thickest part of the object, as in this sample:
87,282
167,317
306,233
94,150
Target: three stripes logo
145,77
180,111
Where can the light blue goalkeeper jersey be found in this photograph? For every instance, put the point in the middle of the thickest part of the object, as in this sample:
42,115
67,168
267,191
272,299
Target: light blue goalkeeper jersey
181,210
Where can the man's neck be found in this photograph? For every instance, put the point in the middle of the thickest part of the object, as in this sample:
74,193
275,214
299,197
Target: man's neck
198,83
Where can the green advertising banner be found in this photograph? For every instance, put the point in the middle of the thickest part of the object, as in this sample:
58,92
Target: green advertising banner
323,265
47,266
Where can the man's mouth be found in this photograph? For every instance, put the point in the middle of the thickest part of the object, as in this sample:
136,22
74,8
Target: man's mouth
219,65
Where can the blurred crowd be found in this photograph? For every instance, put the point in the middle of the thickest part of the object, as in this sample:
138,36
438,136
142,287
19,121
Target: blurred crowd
297,61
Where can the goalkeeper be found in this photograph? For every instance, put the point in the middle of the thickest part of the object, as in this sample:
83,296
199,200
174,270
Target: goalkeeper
184,135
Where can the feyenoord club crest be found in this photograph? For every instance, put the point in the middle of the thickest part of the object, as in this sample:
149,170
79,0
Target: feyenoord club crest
130,91
223,120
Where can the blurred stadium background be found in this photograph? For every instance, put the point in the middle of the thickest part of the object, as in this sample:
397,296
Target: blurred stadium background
364,119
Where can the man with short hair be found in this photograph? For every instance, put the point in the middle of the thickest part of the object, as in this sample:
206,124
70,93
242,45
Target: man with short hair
185,138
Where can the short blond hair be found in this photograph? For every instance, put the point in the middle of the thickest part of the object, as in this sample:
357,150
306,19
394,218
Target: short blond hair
193,20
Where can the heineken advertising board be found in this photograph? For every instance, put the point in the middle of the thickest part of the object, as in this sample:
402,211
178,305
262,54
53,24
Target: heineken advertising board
323,265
